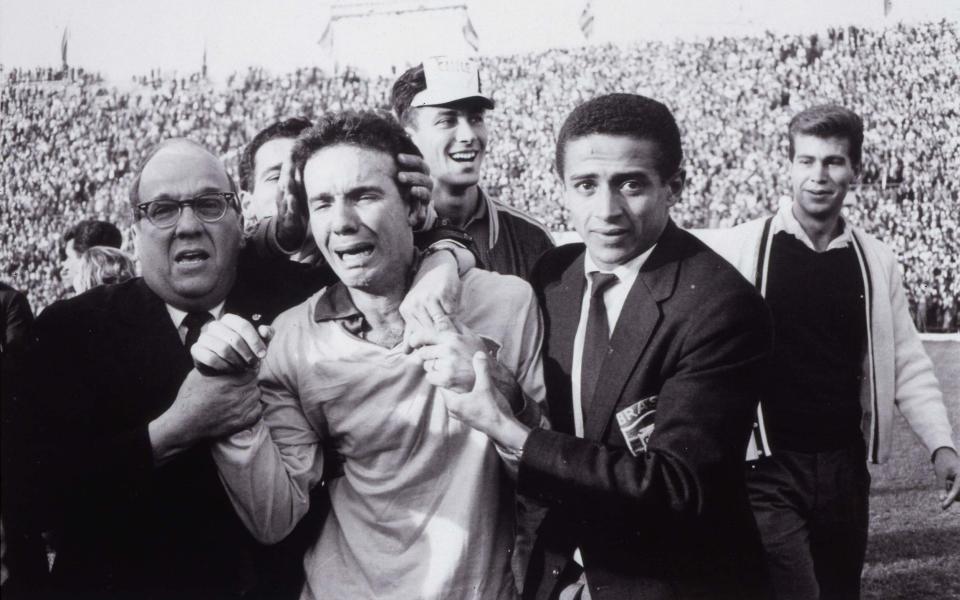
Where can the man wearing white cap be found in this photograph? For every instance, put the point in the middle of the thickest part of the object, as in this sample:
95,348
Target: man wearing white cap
441,105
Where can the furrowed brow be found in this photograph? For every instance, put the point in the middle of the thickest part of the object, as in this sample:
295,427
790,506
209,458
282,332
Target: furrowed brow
364,189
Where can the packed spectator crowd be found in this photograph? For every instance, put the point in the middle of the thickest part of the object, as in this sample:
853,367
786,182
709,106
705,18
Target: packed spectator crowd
70,144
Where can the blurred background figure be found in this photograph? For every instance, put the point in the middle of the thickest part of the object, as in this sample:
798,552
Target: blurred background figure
102,265
78,239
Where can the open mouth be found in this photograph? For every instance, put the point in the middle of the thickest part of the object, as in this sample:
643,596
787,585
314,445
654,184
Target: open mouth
355,253
465,156
187,257
609,232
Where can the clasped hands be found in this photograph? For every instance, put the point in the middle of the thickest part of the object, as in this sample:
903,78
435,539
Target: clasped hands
221,395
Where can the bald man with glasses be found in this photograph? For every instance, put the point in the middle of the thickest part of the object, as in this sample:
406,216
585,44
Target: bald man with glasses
132,495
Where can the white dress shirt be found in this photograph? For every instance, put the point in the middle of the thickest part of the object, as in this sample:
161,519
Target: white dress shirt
613,299
177,316
786,220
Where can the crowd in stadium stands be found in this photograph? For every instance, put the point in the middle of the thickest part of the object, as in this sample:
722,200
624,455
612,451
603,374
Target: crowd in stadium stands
70,143
38,74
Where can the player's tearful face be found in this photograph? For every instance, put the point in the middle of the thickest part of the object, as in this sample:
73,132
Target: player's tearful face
453,141
358,218
617,199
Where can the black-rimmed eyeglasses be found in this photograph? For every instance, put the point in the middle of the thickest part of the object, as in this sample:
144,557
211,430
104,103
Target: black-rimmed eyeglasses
209,208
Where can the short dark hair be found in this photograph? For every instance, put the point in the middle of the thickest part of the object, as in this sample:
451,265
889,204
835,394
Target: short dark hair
363,129
628,115
409,84
285,129
134,193
89,233
829,120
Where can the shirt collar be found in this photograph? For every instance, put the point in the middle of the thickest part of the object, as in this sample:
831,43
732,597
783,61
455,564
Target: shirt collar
335,304
786,221
626,273
481,211
177,315
487,209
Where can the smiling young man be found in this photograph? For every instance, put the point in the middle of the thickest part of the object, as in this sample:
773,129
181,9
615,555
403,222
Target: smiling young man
845,353
423,509
653,352
442,106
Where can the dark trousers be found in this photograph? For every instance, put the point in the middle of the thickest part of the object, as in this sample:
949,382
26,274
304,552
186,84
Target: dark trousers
813,513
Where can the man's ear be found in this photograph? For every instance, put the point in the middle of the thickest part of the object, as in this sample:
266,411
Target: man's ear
241,222
135,238
245,201
676,183
416,212
408,120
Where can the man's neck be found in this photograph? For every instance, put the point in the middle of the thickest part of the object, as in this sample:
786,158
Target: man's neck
457,205
380,308
820,231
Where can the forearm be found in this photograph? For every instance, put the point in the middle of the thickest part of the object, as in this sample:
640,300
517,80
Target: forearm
693,457
464,258
166,439
455,239
263,238
918,395
77,446
120,460
561,469
509,444
270,491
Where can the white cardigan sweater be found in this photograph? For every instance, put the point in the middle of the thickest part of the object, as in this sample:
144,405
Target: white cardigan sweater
896,368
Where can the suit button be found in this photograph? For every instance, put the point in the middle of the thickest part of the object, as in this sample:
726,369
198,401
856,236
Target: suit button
556,572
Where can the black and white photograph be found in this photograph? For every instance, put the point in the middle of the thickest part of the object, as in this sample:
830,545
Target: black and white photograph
480,299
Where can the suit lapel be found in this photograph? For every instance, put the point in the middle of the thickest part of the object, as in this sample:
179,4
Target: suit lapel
636,325
566,300
154,350
562,311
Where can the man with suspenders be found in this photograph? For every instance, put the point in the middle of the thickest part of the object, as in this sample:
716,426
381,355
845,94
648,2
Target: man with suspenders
845,352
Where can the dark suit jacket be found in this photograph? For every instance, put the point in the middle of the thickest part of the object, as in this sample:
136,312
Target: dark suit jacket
104,365
25,557
673,522
16,318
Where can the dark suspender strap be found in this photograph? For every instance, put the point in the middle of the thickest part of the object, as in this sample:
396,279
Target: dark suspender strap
761,261
874,444
757,433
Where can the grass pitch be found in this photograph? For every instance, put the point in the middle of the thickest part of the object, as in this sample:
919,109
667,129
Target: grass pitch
914,547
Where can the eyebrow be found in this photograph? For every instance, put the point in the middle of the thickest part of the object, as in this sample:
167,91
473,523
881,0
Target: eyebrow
270,169
205,190
363,189
351,193
614,177
825,157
